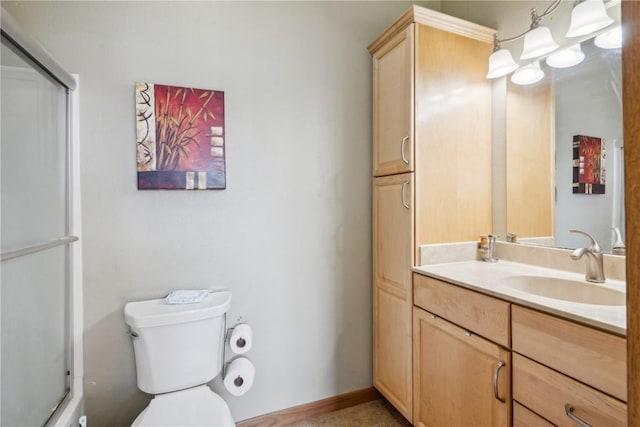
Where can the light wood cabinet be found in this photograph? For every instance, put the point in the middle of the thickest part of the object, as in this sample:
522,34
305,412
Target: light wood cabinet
548,392
460,378
392,292
479,313
559,343
432,163
432,116
393,105
553,364
557,362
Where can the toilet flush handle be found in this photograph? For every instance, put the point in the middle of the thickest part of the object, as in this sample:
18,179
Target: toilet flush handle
133,334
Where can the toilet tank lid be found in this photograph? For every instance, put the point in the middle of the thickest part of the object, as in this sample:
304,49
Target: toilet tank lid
157,312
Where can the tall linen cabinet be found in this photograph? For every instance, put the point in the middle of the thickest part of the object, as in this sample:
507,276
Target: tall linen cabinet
431,167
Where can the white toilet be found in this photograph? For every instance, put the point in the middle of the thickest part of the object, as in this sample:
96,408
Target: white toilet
178,350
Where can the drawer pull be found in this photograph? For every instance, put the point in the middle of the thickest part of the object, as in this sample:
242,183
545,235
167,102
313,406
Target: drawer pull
569,411
496,372
404,141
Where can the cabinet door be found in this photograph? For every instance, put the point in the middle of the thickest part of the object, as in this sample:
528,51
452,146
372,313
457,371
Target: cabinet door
393,106
460,379
392,293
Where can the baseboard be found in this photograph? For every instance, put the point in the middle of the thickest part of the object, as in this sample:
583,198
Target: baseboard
299,413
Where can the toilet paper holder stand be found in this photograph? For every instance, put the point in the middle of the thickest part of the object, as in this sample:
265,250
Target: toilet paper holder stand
227,339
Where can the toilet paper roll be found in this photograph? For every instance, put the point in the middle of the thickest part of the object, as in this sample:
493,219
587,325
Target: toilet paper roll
241,338
239,378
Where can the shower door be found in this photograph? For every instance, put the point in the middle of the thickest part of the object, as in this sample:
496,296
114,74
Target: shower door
34,234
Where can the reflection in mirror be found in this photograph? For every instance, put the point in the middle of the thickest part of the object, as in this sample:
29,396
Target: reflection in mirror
588,102
582,100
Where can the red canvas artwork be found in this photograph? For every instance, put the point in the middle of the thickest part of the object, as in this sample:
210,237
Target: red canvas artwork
180,137
588,165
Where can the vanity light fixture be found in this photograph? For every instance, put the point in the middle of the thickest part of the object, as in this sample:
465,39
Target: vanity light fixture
588,16
565,58
537,42
612,39
529,74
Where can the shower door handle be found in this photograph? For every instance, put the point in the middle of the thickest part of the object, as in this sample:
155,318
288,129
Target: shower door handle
37,248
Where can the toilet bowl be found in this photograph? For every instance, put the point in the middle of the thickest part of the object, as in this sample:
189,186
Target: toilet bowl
197,406
178,350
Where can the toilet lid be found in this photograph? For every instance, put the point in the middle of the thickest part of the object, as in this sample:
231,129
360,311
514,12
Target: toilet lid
198,406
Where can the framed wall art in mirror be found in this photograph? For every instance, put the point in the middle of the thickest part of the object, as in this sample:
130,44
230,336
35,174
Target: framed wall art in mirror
588,165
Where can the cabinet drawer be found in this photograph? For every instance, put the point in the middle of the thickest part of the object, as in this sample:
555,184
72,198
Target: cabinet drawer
559,343
546,392
484,315
522,417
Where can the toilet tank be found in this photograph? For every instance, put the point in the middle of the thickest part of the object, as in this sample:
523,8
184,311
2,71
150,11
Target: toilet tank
177,346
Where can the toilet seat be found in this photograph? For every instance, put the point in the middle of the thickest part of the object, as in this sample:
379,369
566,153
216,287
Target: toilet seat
197,406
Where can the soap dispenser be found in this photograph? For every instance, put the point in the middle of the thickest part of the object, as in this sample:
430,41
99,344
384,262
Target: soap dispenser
618,245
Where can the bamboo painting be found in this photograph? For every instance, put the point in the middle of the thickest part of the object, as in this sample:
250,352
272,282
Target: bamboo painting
180,137
588,165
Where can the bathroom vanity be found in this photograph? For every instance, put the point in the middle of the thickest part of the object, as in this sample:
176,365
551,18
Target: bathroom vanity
486,353
461,342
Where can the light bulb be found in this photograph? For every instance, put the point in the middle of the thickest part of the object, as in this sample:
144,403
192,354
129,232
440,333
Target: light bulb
610,40
529,74
565,58
587,17
538,42
501,63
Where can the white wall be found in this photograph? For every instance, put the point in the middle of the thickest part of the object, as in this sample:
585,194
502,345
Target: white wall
290,236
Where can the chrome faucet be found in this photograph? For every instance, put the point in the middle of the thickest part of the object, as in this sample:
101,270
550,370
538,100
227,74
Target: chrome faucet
595,268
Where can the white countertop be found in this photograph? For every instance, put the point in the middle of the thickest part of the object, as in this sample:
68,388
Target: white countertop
488,278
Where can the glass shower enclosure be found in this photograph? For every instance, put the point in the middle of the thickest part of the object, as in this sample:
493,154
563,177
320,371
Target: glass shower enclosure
35,239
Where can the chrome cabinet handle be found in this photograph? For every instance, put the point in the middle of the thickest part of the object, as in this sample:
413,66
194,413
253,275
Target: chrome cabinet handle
404,202
496,372
404,140
568,409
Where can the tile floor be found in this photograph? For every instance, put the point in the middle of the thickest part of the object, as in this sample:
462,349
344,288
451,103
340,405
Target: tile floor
377,413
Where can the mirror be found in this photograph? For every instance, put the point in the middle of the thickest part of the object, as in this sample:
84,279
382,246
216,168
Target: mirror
582,100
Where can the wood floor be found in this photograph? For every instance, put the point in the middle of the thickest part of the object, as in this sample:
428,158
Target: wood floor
377,413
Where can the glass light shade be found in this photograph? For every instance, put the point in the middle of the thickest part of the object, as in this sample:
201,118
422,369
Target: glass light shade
610,40
568,57
538,42
587,17
501,63
529,74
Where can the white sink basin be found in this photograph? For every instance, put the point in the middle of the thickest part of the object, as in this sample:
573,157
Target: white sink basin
567,290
